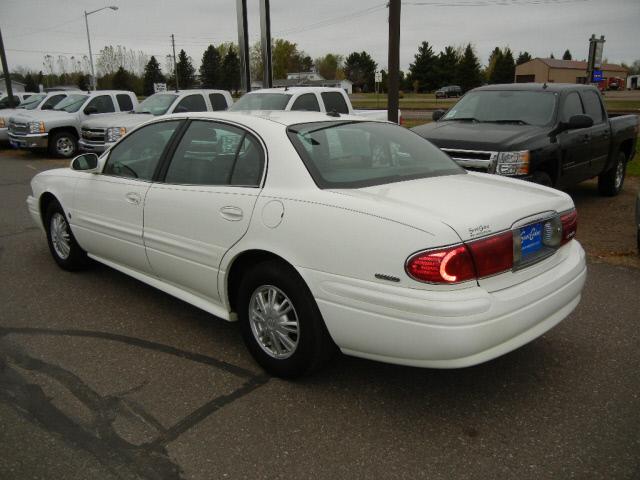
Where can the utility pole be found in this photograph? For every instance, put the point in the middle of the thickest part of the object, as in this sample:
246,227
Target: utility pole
175,65
7,76
394,60
243,45
93,73
265,34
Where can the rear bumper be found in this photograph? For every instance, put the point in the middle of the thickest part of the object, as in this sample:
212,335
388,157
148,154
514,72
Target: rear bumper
445,329
39,140
92,147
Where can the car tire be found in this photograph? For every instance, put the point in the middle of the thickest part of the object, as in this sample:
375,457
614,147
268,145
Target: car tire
62,244
63,144
280,321
610,183
542,178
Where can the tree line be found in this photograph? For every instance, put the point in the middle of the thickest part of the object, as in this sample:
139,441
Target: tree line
124,69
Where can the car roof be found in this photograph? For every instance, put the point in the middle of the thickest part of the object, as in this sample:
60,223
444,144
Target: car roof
289,90
194,90
276,116
549,87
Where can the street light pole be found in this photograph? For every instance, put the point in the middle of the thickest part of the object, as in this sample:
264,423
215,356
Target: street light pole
86,22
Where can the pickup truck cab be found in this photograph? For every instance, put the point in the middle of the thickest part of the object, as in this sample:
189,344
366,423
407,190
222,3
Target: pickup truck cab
18,97
35,101
98,134
58,129
313,99
553,134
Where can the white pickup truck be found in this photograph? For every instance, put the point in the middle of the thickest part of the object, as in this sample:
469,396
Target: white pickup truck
34,101
98,134
59,129
314,99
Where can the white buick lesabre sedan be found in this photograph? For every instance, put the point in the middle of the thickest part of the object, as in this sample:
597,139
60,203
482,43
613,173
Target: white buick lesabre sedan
317,231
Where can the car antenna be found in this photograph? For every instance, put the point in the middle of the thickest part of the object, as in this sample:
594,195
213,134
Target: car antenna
286,88
333,113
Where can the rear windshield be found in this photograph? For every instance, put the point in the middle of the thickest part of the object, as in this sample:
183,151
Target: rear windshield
32,102
156,104
505,106
72,103
262,101
362,154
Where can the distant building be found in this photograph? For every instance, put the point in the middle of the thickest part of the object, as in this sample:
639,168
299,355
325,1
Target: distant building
15,86
307,79
550,70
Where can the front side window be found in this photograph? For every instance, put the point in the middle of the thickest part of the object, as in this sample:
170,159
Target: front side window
137,155
218,102
505,106
307,102
72,103
262,101
211,153
593,106
157,104
191,103
103,104
334,102
361,154
572,106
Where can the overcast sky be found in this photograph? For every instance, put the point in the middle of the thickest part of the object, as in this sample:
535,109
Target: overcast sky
33,28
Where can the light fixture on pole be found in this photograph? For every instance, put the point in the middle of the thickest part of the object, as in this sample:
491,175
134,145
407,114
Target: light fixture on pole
86,21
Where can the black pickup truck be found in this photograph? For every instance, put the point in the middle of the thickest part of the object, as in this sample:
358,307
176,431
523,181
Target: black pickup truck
553,134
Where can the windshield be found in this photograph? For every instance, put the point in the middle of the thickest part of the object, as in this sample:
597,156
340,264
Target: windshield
156,104
262,101
4,102
72,103
361,154
505,106
33,101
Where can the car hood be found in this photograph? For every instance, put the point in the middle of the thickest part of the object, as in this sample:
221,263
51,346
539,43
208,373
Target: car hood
41,115
473,204
8,112
477,136
126,120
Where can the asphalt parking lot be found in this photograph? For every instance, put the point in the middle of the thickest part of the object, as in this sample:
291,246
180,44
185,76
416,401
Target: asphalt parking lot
104,377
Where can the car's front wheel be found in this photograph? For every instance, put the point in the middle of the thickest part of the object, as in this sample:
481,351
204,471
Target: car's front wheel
280,321
62,244
63,144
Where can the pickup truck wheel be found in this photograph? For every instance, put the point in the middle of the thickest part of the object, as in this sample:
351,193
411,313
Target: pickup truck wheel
542,178
62,244
610,182
63,144
280,321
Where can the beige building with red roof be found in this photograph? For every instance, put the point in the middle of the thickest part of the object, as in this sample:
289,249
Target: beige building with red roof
563,71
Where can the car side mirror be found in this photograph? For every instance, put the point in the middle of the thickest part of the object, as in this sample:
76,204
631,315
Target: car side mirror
437,115
87,162
180,109
579,121
90,110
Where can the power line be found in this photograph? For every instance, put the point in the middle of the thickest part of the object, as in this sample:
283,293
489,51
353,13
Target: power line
491,3
34,32
334,20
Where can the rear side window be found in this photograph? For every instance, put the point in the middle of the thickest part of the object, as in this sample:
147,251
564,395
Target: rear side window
216,154
52,102
103,103
572,106
191,103
592,106
124,102
218,102
334,101
307,102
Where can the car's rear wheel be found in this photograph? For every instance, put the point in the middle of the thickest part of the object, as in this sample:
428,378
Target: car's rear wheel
62,244
280,321
63,144
610,183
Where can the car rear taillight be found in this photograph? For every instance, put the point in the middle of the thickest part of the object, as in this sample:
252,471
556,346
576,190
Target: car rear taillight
493,254
459,263
445,265
569,225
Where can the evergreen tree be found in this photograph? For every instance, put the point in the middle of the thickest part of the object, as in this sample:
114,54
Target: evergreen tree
506,67
567,55
152,74
447,63
523,57
469,75
210,68
83,82
122,80
30,84
185,71
492,72
551,55
360,68
424,69
231,70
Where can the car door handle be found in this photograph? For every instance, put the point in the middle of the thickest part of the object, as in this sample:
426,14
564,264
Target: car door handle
133,198
233,214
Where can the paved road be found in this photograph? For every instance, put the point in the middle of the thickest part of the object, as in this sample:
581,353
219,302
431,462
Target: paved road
104,377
